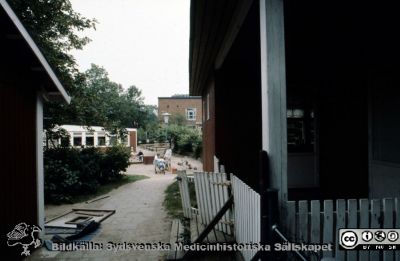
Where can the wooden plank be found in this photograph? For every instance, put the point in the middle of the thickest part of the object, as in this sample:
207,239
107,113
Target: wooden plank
181,193
205,197
364,223
184,195
303,221
327,236
217,199
222,199
215,220
388,207
248,220
234,193
228,213
216,164
238,209
186,189
273,92
201,196
291,221
173,240
397,223
226,196
248,216
315,233
375,216
208,201
258,213
245,214
194,233
221,196
256,217
340,223
179,254
205,216
352,223
253,220
198,196
213,187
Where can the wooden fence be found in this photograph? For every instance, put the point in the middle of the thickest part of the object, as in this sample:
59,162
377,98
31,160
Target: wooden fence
247,215
185,195
211,194
315,221
318,222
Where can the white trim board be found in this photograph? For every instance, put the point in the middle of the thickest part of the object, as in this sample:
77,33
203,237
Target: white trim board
35,49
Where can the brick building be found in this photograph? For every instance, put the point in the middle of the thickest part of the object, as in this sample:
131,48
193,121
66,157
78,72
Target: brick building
188,106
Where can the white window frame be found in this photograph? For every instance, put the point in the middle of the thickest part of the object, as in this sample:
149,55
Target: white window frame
193,117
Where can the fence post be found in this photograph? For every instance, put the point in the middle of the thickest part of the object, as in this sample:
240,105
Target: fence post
269,207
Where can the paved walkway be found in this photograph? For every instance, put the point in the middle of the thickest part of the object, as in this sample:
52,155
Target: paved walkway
139,217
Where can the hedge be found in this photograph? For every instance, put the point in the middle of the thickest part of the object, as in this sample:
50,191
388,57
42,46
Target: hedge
70,172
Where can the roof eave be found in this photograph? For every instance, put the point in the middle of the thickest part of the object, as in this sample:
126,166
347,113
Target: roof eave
36,51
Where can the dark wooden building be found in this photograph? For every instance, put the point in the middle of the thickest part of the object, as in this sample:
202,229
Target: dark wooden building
314,84
26,82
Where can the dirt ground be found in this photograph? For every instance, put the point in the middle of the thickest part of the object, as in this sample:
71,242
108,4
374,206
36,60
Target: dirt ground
140,216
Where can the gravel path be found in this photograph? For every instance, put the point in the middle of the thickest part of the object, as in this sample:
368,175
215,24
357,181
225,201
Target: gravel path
139,217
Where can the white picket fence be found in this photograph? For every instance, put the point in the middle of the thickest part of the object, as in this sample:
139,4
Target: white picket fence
315,221
211,194
247,215
311,222
184,191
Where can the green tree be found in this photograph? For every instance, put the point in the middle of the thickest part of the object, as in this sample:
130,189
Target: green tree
105,103
178,119
53,24
96,100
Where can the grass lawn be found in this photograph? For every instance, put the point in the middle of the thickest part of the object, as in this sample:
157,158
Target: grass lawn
173,201
104,189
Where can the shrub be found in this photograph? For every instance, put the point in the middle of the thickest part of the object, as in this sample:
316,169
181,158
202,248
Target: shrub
185,140
115,160
70,172
89,169
61,183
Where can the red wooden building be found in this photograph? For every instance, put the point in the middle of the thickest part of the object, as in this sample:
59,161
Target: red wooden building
26,82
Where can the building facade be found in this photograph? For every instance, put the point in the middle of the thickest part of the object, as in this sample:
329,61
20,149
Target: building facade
26,83
190,107
325,114
96,136
302,98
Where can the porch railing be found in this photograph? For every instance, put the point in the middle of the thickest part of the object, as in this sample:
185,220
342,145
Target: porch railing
318,221
247,215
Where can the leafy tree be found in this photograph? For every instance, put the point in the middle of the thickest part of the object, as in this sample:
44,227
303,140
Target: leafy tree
53,24
96,100
178,119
